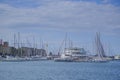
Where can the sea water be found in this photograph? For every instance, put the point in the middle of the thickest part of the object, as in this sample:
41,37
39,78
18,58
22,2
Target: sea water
50,70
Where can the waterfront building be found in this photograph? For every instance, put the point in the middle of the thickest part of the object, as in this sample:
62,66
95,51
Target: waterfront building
26,51
5,49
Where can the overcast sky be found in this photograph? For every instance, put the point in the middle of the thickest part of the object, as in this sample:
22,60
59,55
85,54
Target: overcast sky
49,20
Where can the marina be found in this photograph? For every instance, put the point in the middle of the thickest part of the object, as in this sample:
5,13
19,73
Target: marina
69,53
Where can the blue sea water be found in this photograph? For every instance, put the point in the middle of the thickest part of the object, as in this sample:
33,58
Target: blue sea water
50,70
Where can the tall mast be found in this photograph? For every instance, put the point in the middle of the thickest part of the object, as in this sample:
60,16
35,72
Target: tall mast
14,40
34,53
99,47
46,45
59,51
18,41
14,44
65,41
21,48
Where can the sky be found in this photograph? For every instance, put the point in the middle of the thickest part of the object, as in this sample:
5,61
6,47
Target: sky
48,21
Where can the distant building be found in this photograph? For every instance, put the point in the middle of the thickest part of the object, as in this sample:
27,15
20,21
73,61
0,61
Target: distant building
41,52
26,51
4,48
6,44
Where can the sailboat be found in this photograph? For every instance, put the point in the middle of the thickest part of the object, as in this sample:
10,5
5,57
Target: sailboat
100,53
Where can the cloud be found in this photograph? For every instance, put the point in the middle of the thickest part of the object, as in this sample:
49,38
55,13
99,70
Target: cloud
61,15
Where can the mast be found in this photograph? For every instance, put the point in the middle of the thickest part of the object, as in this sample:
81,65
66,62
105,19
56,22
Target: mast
59,51
14,40
46,45
14,44
99,47
34,51
29,51
18,41
19,45
41,46
65,40
21,49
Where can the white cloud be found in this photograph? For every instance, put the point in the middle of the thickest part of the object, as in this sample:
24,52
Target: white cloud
59,15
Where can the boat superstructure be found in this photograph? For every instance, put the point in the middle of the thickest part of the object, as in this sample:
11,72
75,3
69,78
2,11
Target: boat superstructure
73,54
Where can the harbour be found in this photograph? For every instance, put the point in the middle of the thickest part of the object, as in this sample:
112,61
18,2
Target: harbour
69,53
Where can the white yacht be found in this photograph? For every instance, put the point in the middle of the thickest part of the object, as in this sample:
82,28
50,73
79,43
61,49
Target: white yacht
73,54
